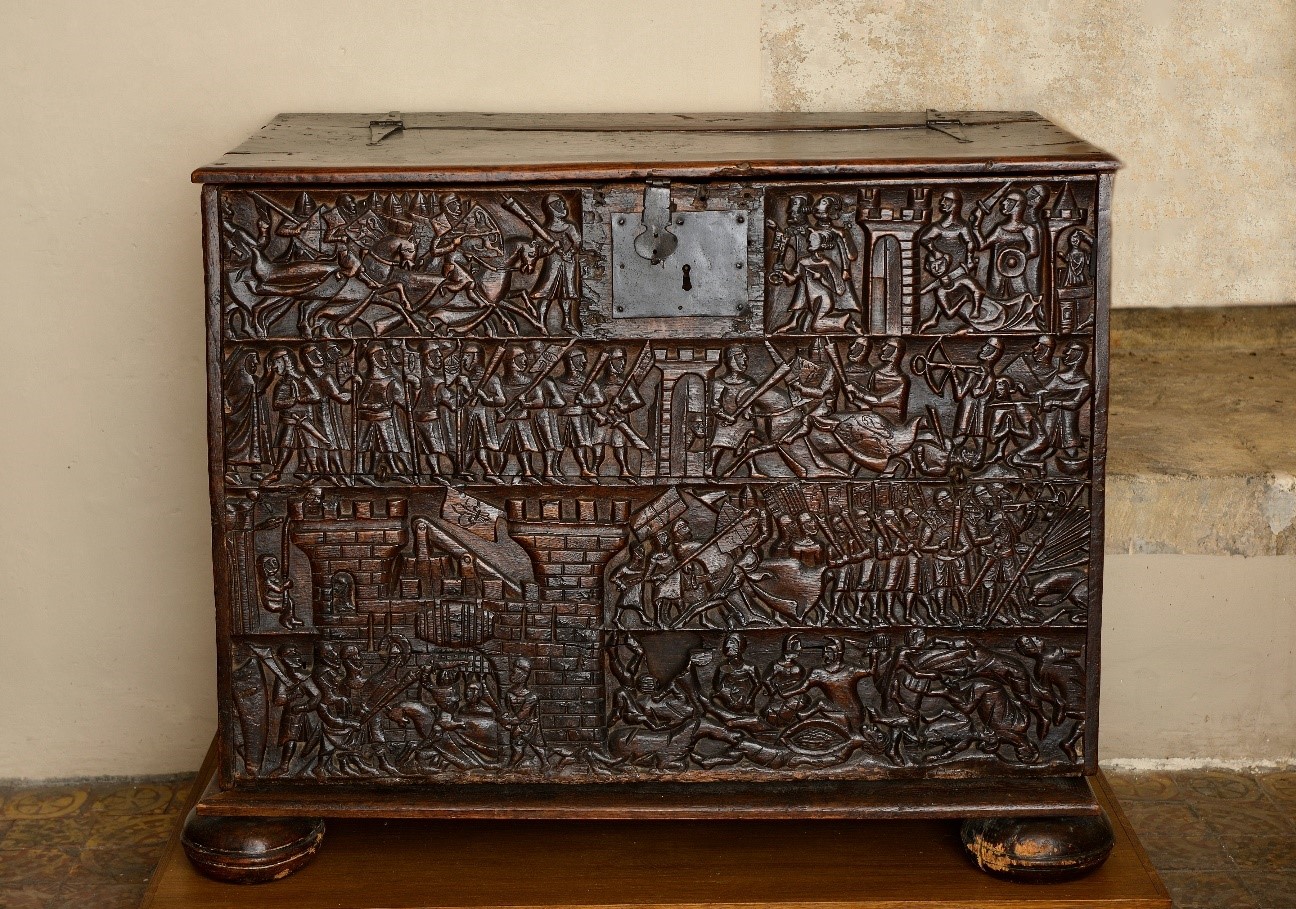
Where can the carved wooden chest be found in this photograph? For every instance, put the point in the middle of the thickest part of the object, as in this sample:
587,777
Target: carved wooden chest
654,466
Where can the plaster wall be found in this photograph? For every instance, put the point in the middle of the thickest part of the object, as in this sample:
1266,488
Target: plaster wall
1198,659
106,660
1197,97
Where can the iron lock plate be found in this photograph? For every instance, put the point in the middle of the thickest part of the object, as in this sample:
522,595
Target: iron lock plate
704,275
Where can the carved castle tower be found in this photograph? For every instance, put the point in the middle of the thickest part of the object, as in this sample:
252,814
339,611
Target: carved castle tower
890,260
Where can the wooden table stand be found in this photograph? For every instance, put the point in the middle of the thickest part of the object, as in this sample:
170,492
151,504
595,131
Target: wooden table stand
406,864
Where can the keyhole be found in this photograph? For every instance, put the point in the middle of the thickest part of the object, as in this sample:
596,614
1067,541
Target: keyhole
688,284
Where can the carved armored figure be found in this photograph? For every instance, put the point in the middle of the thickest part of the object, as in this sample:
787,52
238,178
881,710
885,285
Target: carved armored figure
553,474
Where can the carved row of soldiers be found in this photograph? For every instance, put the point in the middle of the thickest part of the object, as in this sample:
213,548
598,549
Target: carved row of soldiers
930,699
444,416
975,558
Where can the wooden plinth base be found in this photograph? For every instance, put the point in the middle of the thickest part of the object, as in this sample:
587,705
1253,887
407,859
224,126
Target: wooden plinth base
794,864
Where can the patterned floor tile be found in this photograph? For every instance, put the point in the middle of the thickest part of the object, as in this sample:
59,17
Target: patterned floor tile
1262,852
1162,818
67,831
36,867
118,866
138,798
33,896
1272,889
120,831
1280,786
1208,890
45,803
1220,786
1186,852
1254,819
180,800
1130,787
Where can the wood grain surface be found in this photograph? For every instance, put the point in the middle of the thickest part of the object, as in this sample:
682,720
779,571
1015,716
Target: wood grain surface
448,148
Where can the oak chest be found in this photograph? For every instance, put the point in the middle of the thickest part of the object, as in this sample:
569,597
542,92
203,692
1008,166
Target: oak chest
655,466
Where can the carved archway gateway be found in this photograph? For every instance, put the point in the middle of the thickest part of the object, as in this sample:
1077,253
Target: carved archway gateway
555,474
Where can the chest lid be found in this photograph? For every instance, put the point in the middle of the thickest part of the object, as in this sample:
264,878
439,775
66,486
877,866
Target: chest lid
480,147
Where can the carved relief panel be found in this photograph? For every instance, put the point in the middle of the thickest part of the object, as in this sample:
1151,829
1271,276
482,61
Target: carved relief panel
725,481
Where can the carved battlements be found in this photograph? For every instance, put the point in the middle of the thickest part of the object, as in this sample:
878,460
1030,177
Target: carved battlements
570,542
913,212
568,510
360,538
333,510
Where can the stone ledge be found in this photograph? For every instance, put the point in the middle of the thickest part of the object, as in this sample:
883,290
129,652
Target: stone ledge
1203,416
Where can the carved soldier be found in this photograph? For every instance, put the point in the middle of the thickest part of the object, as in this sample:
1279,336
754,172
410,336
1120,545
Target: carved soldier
950,234
620,435
783,680
812,390
944,544
1059,674
1014,247
954,287
838,245
293,400
321,371
793,242
899,526
383,441
559,280
339,730
885,388
628,579
483,395
729,400
822,300
1036,198
735,685
390,253
522,716
531,416
1058,427
297,697
247,443
838,682
974,388
582,393
433,411
305,230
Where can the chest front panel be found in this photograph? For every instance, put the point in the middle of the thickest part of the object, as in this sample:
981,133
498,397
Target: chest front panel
614,482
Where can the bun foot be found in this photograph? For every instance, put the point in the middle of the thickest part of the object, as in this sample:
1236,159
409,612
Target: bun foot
1039,849
250,850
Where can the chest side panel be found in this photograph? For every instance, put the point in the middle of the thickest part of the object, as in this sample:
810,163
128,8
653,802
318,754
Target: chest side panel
725,481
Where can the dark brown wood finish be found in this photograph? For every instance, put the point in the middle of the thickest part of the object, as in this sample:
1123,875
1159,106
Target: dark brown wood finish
543,489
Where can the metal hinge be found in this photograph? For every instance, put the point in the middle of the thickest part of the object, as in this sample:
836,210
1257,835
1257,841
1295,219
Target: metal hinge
381,129
950,126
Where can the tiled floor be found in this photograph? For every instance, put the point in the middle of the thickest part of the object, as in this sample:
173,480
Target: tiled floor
88,846
1225,840
1221,840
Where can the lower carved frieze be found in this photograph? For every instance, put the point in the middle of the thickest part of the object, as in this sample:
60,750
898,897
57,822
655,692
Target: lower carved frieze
785,628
